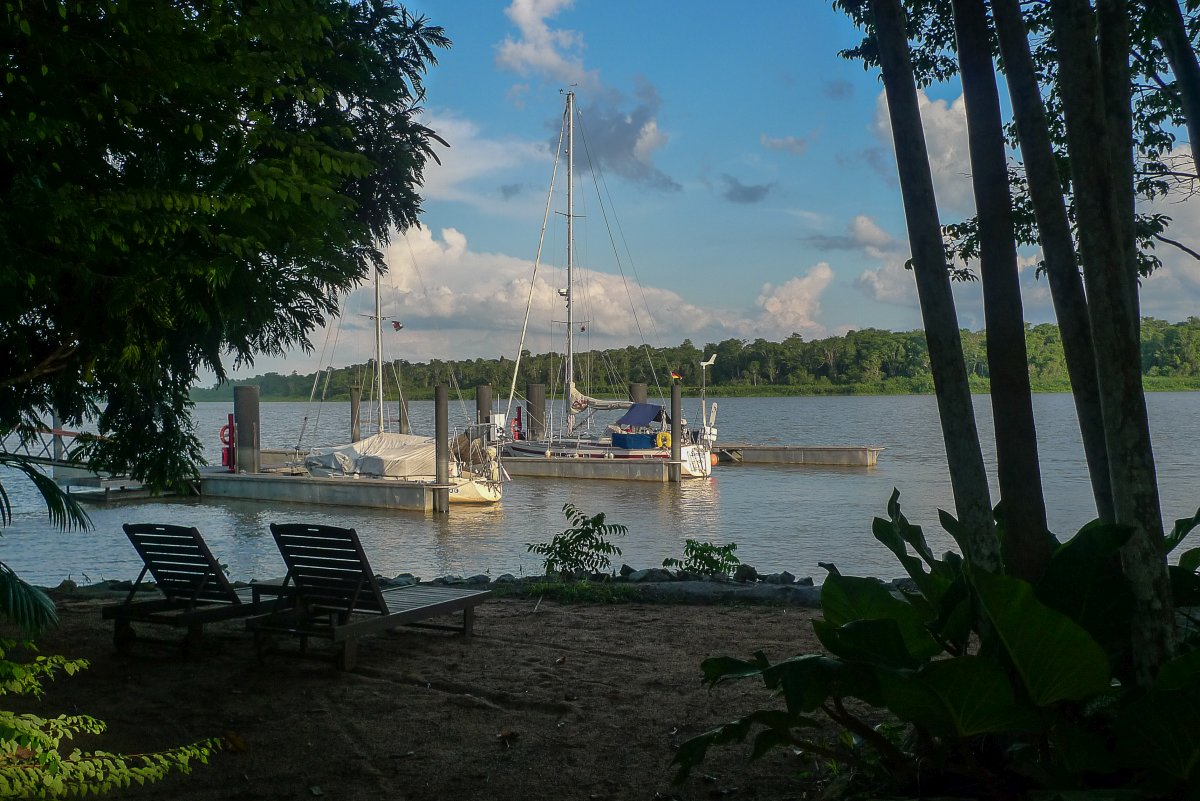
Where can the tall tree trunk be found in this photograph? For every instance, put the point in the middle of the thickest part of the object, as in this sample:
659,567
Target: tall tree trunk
1026,543
1116,84
1175,43
968,477
1115,333
1058,248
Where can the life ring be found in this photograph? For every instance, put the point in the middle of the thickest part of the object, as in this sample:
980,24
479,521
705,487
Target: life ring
226,434
663,440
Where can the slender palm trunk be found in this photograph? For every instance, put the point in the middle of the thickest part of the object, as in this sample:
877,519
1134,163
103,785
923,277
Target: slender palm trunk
1178,47
1058,248
1115,333
967,474
1027,543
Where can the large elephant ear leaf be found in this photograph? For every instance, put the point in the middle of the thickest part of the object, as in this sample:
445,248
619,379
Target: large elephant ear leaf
1055,657
960,697
1158,732
1084,581
846,599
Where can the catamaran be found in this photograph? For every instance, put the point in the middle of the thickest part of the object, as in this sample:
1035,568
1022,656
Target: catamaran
644,430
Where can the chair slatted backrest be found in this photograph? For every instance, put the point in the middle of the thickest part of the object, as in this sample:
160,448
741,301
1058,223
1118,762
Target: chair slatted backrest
181,564
328,568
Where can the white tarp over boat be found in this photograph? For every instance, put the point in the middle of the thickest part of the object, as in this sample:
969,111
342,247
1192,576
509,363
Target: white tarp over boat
385,455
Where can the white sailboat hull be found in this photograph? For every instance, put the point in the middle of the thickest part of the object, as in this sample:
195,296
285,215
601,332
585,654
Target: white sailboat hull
695,460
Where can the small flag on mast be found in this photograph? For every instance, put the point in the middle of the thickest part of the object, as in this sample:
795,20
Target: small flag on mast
676,375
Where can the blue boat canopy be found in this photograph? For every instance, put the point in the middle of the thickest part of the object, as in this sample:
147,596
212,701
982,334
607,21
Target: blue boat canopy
643,414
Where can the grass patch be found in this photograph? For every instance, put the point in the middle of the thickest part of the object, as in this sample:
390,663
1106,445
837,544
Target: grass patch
570,592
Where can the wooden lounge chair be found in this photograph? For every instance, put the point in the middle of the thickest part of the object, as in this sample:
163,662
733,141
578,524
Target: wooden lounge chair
192,586
334,594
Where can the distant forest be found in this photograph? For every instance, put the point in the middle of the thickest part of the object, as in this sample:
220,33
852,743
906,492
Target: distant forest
870,361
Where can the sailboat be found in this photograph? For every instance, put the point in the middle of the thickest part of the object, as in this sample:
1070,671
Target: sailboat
475,474
644,430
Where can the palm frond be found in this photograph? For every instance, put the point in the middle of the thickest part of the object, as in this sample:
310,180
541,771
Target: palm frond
24,604
65,512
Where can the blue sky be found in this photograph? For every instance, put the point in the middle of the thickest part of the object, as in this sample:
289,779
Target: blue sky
750,170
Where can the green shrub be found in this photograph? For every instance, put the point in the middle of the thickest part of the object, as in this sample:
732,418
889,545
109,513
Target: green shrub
583,546
1030,704
706,559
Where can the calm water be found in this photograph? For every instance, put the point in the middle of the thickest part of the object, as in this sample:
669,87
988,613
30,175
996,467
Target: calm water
782,518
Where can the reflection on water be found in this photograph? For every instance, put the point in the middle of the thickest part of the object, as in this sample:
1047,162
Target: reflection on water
782,518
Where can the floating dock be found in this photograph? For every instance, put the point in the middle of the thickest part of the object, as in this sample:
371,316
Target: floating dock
830,455
414,496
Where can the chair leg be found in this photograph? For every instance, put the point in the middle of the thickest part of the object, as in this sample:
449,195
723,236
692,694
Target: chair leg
191,640
123,636
262,645
347,654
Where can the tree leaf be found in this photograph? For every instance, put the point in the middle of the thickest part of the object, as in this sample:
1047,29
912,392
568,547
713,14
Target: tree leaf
1055,657
875,642
963,697
849,598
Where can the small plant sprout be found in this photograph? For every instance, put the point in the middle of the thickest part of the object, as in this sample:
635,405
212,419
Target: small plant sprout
583,546
706,559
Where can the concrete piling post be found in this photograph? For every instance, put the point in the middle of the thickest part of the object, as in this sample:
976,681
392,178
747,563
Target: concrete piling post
483,407
535,411
441,430
246,421
676,471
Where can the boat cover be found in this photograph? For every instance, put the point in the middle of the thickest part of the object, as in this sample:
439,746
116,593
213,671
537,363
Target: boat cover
643,414
391,455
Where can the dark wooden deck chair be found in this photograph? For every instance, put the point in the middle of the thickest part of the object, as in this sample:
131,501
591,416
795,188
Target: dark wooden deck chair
192,586
335,596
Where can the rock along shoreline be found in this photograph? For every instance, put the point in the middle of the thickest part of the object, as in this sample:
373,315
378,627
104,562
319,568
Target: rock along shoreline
746,585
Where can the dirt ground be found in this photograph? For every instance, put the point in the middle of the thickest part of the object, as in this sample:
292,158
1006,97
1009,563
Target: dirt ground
545,701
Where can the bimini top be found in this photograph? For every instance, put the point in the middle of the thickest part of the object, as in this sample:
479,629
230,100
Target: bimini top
643,414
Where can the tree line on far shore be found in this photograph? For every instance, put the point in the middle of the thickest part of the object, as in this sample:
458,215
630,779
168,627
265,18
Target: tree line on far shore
865,361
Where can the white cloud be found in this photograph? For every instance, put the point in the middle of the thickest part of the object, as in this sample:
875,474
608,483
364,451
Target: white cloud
541,50
864,231
788,144
889,283
457,303
945,126
793,306
471,159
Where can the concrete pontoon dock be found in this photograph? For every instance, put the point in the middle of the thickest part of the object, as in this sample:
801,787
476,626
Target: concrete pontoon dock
832,455
413,496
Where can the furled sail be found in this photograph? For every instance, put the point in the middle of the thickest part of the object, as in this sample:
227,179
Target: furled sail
581,402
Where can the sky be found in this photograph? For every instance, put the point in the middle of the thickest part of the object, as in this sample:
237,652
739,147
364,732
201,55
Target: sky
749,169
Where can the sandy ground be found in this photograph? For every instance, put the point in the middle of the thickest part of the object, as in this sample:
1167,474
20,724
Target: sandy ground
545,701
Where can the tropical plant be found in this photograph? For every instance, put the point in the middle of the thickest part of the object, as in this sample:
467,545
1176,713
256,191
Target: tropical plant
32,762
1032,698
706,558
583,546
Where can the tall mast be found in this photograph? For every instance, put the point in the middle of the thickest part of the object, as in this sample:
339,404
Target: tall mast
570,366
378,352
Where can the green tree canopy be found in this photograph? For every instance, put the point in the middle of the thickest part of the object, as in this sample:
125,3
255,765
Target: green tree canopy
184,184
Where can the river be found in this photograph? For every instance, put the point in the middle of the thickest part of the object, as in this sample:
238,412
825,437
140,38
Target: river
782,518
